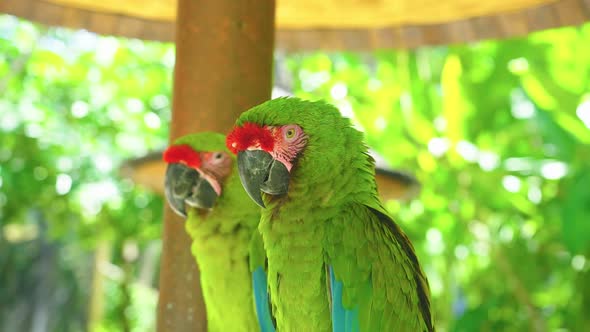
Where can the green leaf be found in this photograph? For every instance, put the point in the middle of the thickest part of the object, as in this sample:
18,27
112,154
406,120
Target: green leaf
455,105
575,214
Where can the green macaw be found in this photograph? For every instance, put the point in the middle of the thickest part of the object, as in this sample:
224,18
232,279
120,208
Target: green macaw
336,259
201,179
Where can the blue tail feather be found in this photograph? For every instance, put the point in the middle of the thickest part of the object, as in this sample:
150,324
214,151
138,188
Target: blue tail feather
343,320
260,289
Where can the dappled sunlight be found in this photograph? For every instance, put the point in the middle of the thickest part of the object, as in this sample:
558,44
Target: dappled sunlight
497,133
74,107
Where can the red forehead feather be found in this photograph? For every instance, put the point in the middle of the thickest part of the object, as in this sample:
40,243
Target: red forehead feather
250,135
182,154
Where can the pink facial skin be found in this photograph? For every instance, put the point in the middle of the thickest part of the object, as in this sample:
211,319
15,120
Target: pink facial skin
284,143
212,166
215,166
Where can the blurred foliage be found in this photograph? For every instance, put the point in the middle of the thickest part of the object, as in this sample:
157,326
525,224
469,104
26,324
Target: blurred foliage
73,107
497,132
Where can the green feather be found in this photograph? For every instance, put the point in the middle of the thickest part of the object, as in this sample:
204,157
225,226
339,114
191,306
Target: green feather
221,239
332,216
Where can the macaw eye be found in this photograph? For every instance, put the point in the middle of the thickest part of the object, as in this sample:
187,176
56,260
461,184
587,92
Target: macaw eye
290,133
216,158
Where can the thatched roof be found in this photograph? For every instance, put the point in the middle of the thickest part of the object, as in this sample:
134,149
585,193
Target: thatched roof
328,24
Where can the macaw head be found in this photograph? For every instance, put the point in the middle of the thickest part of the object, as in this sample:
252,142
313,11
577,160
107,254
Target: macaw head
198,165
287,141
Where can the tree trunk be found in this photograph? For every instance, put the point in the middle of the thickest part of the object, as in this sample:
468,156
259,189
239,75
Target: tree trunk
102,255
223,67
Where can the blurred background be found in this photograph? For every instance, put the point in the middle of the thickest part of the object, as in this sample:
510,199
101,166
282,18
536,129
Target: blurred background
497,133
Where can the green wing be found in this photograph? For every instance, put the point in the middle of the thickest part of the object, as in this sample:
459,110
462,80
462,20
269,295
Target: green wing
381,277
259,283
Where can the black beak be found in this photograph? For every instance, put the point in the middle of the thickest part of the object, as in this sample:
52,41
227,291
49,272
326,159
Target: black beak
260,172
184,185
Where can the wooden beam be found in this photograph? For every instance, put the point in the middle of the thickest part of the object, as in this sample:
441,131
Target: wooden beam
224,52
461,29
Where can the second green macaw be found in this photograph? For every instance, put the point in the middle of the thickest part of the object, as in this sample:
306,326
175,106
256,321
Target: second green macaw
336,259
202,185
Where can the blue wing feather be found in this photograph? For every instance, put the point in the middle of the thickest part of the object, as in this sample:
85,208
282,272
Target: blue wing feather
343,320
260,288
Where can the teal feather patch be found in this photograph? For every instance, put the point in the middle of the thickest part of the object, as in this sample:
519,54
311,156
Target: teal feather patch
261,300
343,320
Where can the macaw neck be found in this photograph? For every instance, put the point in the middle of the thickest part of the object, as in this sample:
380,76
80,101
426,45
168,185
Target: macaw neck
341,180
226,228
232,210
293,241
220,246
221,251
